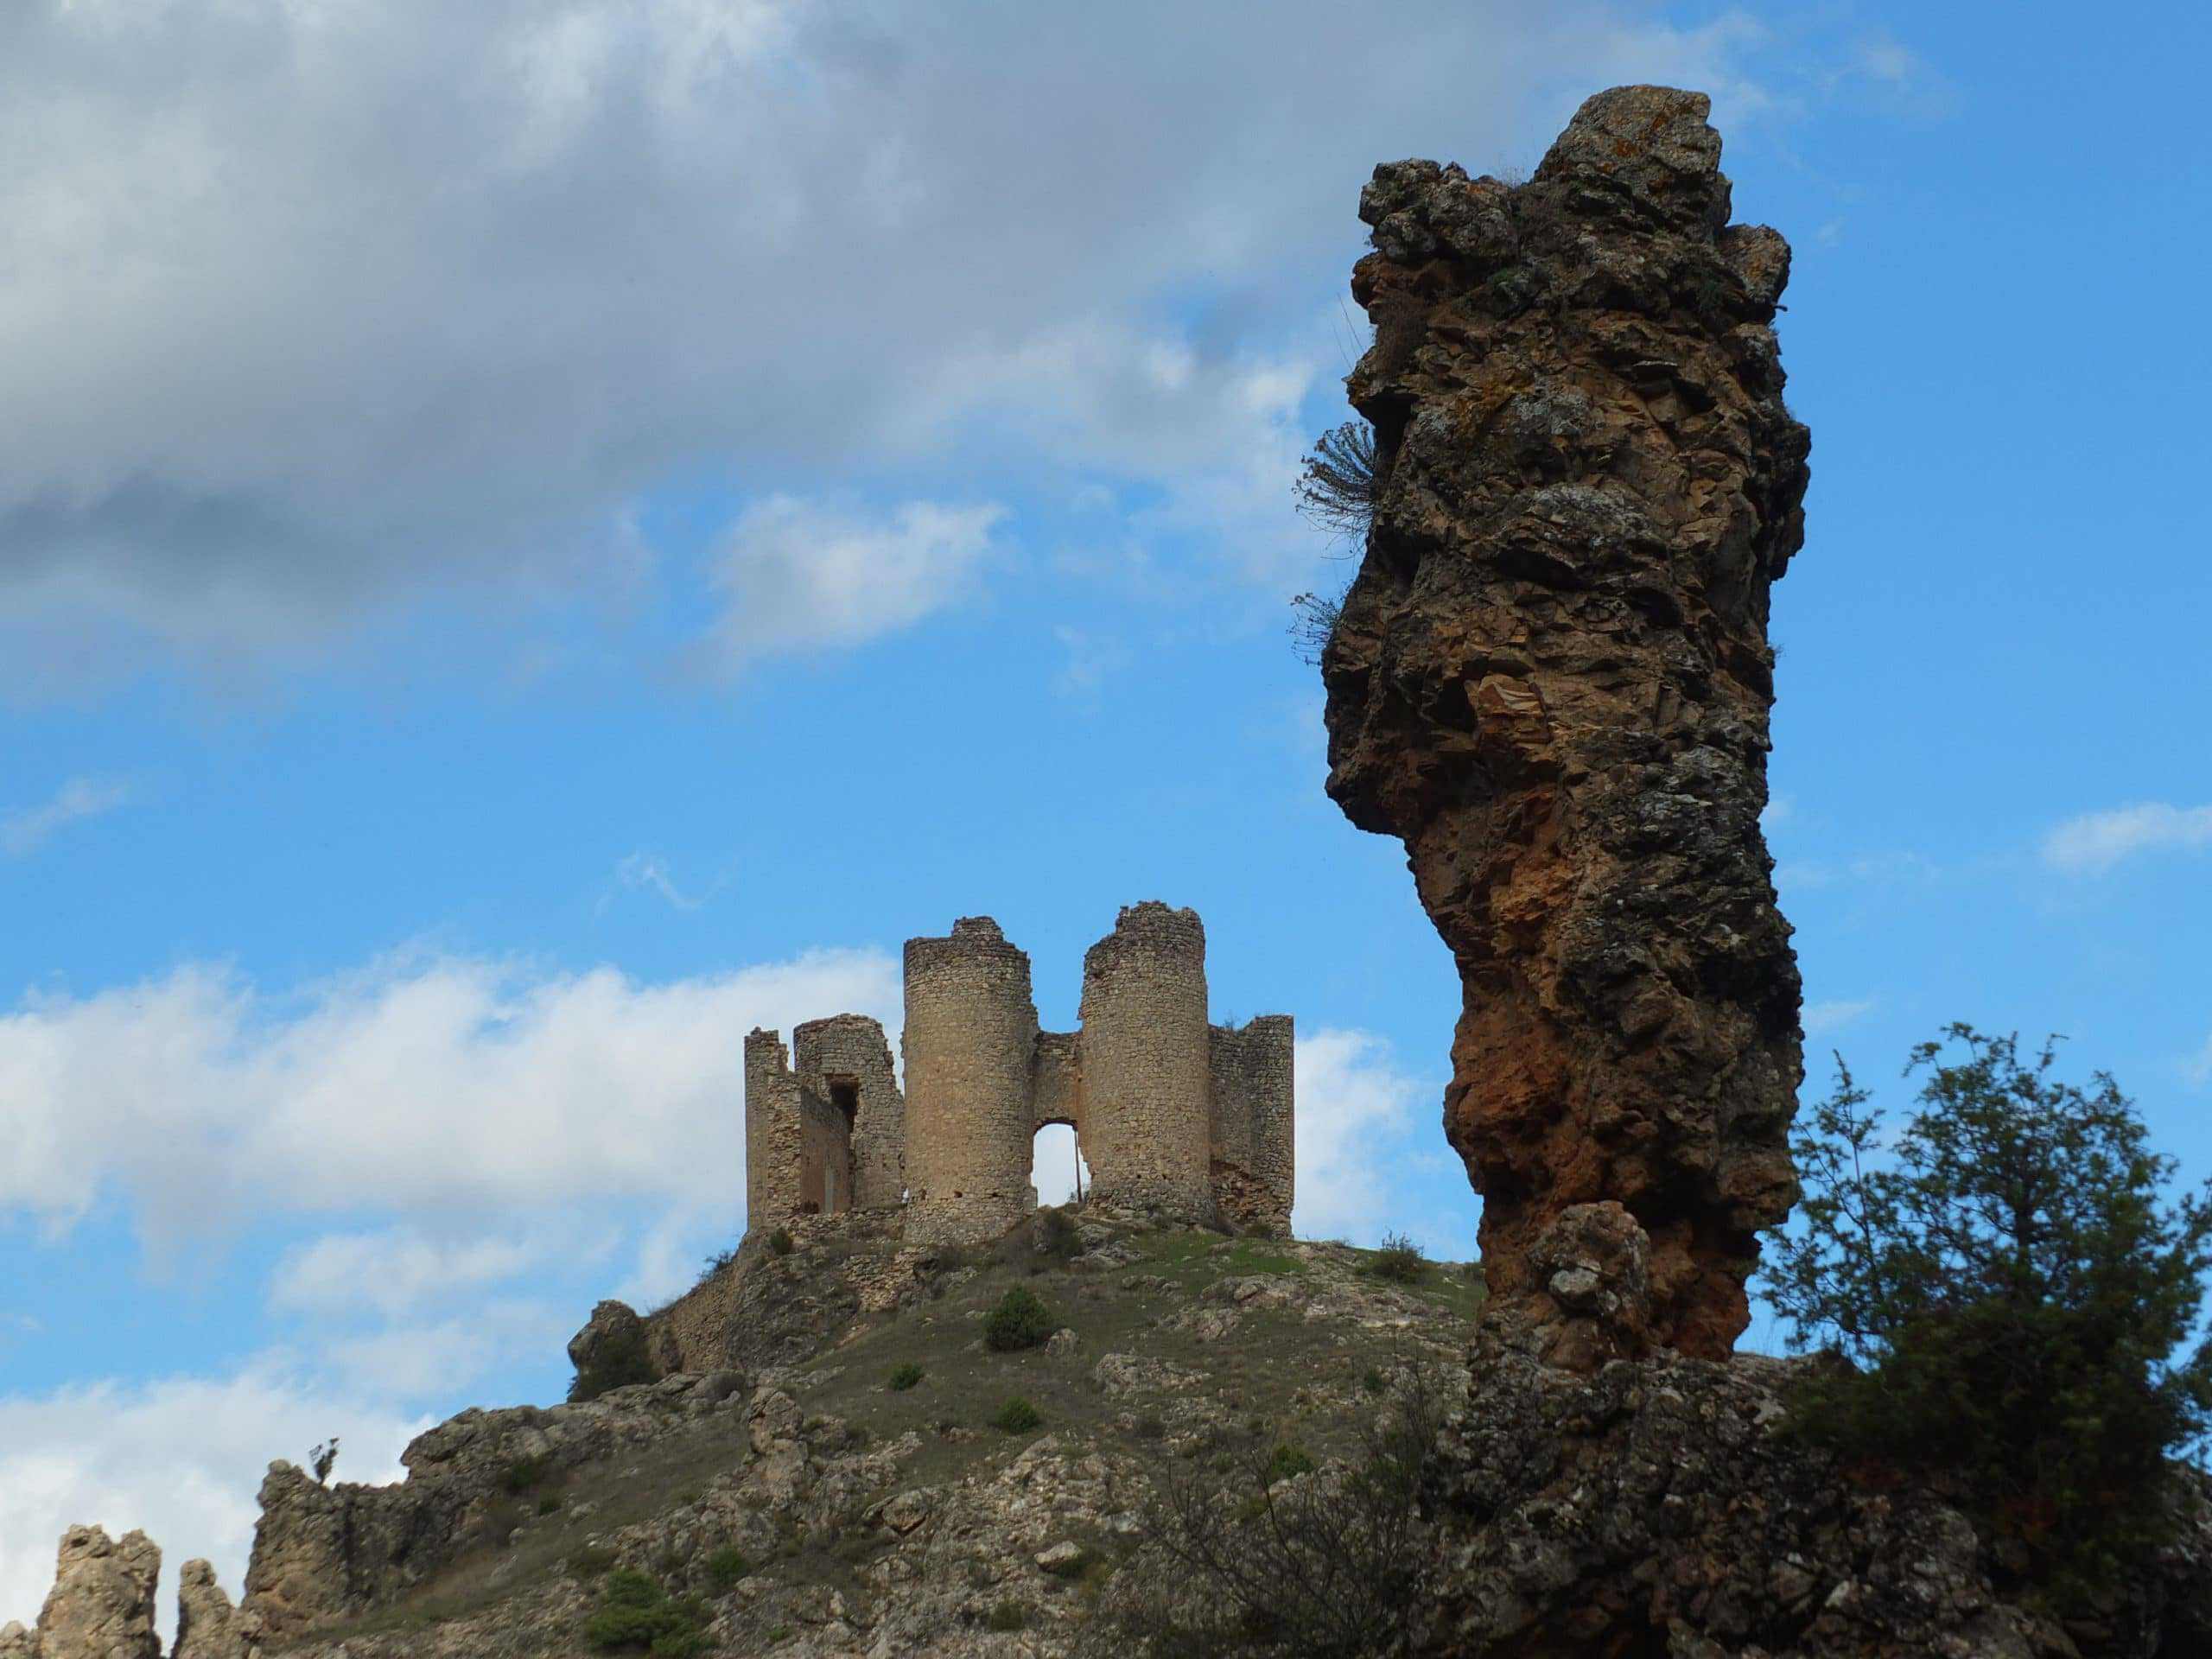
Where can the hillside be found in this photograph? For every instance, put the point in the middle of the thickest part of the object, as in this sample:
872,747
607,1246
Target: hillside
814,1507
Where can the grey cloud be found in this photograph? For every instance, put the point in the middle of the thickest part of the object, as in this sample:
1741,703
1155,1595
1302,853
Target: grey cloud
323,309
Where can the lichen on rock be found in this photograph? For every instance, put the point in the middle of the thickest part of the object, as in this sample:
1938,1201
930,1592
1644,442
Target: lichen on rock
1551,678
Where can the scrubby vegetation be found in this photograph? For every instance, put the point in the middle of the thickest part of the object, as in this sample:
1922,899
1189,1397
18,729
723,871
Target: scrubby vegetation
636,1615
619,1360
1242,1563
1016,1416
904,1377
780,1241
1057,1235
1020,1320
1399,1259
2005,1292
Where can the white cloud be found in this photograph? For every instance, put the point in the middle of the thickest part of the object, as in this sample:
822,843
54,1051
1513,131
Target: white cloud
1354,1114
325,309
1871,869
1054,1161
395,1272
1823,1018
449,1087
421,1362
1092,660
180,1457
2094,843
2199,1069
26,829
649,873
796,577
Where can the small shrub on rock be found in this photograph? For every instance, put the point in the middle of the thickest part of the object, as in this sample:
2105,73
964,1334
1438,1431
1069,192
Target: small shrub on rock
635,1615
904,1377
1288,1461
780,1241
1399,1259
618,1361
1057,1235
1020,1320
522,1475
1017,1417
724,1567
1008,1616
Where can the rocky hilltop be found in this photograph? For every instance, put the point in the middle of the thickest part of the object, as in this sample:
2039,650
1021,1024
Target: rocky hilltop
1551,679
817,1500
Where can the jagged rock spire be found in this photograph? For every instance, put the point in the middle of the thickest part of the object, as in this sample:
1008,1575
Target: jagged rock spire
1551,678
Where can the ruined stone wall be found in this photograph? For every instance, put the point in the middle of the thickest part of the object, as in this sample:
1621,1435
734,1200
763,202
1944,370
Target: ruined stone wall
969,1043
825,1156
1252,1089
852,1046
1055,1081
1145,1057
771,1131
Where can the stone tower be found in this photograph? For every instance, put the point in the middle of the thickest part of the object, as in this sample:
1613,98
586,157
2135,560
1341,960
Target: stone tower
1175,1117
1146,1060
971,1040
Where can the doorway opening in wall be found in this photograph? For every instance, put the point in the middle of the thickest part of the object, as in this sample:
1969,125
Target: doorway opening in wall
845,1096
1057,1168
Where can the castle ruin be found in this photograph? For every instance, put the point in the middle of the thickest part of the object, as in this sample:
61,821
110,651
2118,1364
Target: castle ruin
1173,1115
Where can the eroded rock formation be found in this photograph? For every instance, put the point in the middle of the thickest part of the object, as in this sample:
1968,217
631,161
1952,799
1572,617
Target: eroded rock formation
1659,1508
1551,678
208,1626
102,1603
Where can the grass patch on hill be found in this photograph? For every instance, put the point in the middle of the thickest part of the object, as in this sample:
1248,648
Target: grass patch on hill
1276,1378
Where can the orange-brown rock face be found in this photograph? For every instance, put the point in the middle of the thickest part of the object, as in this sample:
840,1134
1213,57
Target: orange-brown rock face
1551,678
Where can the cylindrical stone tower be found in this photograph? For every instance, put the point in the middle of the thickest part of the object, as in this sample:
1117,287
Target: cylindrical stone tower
971,1032
1146,1062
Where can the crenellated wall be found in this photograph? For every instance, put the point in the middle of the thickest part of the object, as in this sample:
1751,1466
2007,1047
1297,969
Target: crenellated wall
1188,1121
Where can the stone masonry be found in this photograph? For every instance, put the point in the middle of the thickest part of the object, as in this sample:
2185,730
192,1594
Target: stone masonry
1173,1115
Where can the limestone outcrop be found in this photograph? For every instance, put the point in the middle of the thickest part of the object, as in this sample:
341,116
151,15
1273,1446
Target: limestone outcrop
208,1626
102,1603
1656,1507
1551,679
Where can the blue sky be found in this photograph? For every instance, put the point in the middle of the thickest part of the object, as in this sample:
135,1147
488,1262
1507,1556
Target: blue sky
533,541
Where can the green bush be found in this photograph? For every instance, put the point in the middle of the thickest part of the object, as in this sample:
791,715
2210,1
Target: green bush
635,1615
2007,1292
549,1504
1374,1382
1287,1460
621,1359
1017,1417
904,1377
1020,1320
1057,1235
522,1475
1008,1616
780,1241
1399,1259
1234,1562
724,1567
590,1561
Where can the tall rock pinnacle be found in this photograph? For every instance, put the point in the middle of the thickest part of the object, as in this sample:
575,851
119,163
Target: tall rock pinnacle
1551,679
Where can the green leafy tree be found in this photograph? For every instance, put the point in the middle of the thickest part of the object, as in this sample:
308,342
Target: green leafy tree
2012,1291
